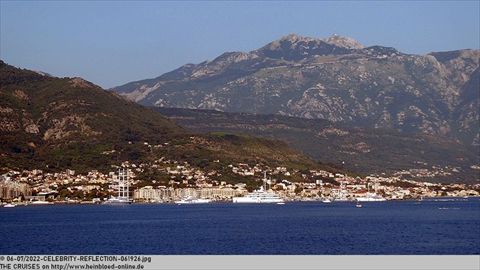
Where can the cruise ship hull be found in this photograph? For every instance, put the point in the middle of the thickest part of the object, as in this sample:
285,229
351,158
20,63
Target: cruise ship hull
257,200
194,201
118,201
371,198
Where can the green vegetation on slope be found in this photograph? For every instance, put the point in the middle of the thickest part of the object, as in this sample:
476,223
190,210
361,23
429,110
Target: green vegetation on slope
360,149
57,123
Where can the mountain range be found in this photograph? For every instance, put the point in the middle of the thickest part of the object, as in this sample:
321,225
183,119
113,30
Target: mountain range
338,104
362,150
336,79
55,124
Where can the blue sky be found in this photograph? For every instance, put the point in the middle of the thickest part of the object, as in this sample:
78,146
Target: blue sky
112,43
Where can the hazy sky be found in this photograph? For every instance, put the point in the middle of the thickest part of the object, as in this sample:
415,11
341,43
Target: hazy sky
112,43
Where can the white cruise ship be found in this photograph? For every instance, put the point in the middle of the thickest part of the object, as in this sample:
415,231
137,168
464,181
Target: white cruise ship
191,200
371,197
260,196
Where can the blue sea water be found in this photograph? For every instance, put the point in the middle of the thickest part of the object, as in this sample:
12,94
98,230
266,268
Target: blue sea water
396,227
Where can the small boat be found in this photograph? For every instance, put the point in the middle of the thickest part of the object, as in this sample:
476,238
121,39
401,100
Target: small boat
358,205
281,203
327,200
118,200
41,203
9,205
371,197
191,200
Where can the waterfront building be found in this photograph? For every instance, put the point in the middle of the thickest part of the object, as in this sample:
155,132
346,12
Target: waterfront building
163,194
11,189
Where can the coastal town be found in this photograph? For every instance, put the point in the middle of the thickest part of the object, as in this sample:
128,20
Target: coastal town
181,180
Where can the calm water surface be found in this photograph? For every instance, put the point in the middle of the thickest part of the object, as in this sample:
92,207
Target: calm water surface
401,227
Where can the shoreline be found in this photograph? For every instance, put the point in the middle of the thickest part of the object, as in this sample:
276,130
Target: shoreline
353,202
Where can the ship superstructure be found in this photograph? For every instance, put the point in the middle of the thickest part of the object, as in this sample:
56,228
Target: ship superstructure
261,195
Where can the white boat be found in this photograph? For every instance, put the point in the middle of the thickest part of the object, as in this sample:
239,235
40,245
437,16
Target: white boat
118,200
371,197
41,202
326,200
9,205
260,195
191,200
358,205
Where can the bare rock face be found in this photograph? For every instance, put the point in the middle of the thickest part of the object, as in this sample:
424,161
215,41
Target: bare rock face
337,79
20,94
9,121
30,127
81,83
9,125
345,42
68,125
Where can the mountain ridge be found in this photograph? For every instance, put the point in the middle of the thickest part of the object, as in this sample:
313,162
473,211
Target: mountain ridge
367,151
69,123
374,87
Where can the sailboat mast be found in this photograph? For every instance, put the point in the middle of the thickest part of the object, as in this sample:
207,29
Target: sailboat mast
123,182
118,183
128,188
265,180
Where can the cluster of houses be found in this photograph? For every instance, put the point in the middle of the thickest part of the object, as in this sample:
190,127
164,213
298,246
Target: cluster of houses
183,180
428,171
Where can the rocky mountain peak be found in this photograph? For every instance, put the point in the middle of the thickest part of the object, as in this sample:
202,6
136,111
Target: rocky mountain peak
294,47
334,79
345,42
293,38
293,41
289,41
